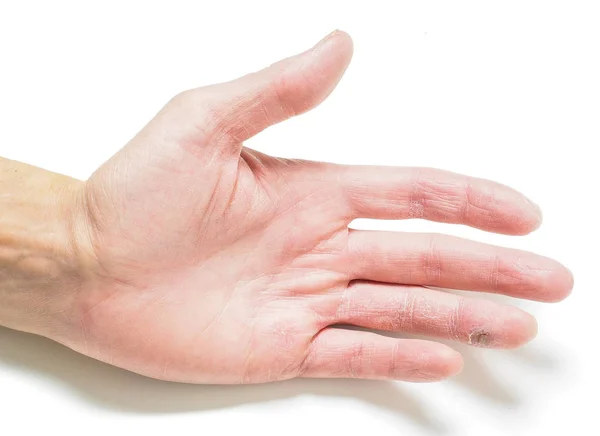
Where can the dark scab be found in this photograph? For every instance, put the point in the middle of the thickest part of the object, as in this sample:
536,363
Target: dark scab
480,338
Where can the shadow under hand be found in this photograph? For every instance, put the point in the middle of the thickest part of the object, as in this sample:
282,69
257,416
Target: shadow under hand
113,388
477,376
539,358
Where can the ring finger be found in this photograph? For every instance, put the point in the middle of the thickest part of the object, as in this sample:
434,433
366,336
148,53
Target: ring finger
414,309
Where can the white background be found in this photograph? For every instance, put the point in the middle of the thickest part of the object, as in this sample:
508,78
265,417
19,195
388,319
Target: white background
504,90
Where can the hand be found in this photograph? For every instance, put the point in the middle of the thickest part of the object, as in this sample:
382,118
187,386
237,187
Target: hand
209,262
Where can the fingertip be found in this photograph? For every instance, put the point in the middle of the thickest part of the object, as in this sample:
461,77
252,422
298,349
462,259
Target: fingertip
534,277
569,283
338,46
338,37
546,280
502,209
442,362
521,327
524,217
533,217
305,80
559,284
453,362
538,216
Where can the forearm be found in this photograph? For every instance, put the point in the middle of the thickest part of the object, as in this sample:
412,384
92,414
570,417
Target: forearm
39,271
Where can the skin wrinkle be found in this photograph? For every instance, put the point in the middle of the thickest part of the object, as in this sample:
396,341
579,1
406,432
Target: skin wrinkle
459,200
327,237
524,283
409,317
246,374
417,198
264,109
355,359
343,307
287,333
431,262
293,288
445,205
209,210
467,201
308,355
231,198
394,362
495,273
424,195
482,211
456,317
212,201
287,110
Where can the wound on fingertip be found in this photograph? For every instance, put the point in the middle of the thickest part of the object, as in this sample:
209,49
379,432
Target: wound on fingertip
480,338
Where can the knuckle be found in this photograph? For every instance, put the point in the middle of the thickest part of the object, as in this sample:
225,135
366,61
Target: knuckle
444,196
278,88
396,361
208,121
406,314
199,104
412,370
472,323
512,277
457,320
355,357
435,196
430,261
476,201
417,199
185,99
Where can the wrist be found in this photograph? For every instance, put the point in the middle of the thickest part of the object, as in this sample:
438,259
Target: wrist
40,266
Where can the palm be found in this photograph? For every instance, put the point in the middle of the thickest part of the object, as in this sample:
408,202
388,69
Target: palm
215,263
251,289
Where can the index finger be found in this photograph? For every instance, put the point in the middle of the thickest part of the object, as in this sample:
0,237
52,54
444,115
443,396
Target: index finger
437,195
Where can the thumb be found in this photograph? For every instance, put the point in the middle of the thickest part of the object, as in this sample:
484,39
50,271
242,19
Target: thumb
228,113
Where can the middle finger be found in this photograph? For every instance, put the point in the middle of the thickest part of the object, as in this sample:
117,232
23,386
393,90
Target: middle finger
455,263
